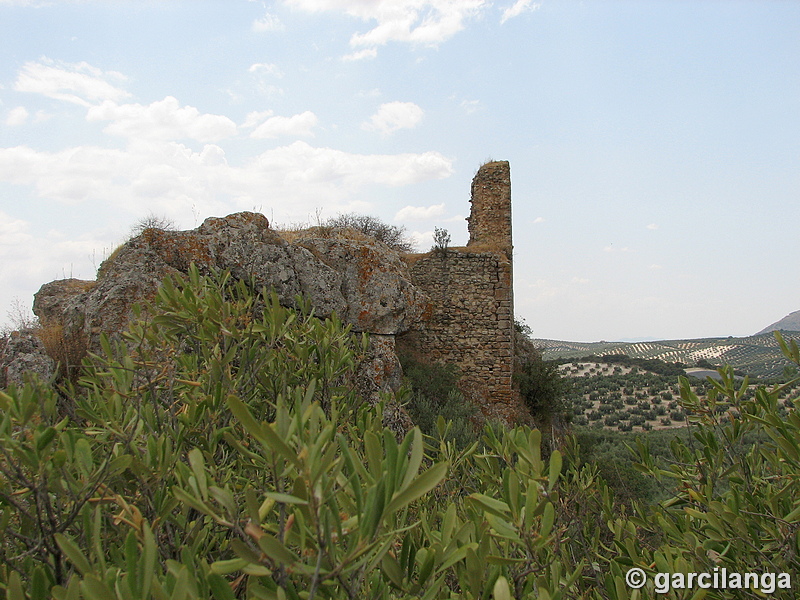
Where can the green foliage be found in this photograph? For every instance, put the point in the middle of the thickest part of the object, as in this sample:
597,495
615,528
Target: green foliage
543,389
609,452
434,394
441,239
461,416
703,363
220,451
652,365
737,479
434,380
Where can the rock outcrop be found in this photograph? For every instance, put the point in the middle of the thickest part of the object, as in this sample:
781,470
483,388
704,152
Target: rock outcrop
452,305
23,352
364,281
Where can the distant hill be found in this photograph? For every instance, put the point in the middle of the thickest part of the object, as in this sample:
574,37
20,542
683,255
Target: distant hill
790,322
758,355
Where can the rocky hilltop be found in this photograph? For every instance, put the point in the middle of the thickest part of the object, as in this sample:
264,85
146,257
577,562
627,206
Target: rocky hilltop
364,281
450,305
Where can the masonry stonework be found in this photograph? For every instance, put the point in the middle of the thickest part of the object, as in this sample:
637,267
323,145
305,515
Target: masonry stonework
472,295
489,222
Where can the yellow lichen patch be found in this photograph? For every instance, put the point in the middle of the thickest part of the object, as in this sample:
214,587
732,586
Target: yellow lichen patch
178,249
369,262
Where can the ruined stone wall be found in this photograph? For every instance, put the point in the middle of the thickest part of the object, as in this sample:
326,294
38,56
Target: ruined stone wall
471,289
489,222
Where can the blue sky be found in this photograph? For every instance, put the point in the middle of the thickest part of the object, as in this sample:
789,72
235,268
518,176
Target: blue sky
654,146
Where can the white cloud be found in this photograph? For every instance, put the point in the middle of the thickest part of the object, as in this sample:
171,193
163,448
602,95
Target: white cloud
35,3
256,117
427,22
421,240
419,213
88,86
373,93
263,75
151,175
471,106
265,68
519,7
303,164
28,259
13,232
17,116
393,116
361,54
268,22
538,220
613,249
79,83
42,116
296,125
652,226
162,120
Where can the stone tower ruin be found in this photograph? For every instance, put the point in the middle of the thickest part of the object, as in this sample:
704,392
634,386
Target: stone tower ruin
489,222
472,294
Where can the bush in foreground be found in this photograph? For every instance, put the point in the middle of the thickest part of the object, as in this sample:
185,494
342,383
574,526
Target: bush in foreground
221,452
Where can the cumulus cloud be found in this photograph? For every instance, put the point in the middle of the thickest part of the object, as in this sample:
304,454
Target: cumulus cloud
393,116
419,213
361,54
297,125
519,7
162,120
17,116
153,174
265,68
13,232
427,22
305,164
79,83
268,22
256,117
154,169
421,239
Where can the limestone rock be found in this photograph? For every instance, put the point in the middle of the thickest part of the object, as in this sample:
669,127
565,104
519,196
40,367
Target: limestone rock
380,370
375,284
24,352
364,282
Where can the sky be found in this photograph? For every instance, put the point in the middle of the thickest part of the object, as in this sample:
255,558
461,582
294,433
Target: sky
654,146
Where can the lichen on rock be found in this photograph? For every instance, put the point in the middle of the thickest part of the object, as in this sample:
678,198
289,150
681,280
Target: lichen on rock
363,281
23,352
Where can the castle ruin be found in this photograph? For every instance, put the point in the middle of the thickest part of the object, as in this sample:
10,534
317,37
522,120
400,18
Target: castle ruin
449,305
471,290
